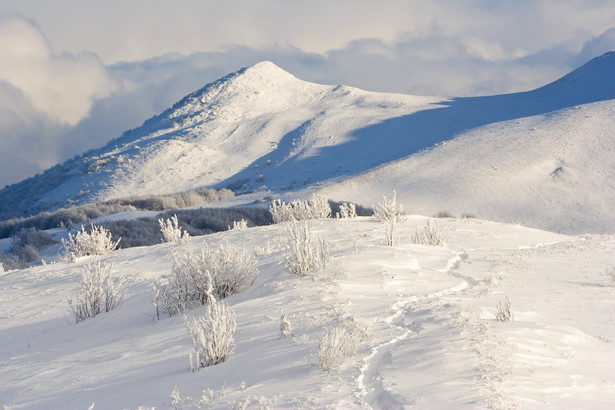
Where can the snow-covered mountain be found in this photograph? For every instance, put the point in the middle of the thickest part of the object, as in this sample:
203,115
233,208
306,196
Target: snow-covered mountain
543,158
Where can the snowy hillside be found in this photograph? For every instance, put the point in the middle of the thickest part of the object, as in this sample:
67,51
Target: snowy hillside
543,158
425,316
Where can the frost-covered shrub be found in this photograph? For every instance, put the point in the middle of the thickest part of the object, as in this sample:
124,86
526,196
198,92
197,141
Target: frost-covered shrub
307,256
389,233
98,292
213,333
360,210
389,210
285,331
390,213
11,262
504,311
347,211
444,214
97,241
172,232
27,242
239,225
610,272
67,217
430,235
316,208
335,346
33,237
201,221
228,270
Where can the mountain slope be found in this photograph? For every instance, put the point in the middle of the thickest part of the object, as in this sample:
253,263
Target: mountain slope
262,127
554,171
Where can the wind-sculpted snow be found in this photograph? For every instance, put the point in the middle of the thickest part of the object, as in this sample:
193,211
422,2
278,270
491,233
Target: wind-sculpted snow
423,319
263,129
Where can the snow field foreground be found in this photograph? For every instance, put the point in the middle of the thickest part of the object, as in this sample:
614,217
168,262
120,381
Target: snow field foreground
423,317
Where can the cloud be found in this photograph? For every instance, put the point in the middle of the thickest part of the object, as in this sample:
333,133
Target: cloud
28,137
68,102
61,86
596,46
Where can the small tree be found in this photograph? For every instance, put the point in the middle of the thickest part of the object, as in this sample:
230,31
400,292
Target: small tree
306,257
213,333
389,210
390,213
98,291
172,232
97,242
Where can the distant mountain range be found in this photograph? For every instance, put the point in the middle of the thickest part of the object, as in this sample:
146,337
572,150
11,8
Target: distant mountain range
544,158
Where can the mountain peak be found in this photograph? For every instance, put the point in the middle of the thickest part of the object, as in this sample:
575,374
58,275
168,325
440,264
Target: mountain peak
249,92
266,68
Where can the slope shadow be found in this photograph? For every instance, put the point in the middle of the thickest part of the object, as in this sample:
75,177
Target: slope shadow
400,137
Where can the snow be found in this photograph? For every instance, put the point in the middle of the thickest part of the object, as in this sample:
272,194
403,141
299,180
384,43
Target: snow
536,167
428,313
542,158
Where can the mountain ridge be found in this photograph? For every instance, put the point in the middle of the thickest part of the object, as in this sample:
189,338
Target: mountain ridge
262,128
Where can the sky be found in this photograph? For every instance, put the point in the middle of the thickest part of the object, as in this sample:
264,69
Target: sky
75,74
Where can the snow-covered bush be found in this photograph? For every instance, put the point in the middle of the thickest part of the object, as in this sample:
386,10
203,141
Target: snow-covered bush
96,242
213,333
504,311
316,208
27,242
229,270
239,225
390,213
347,211
335,346
306,257
389,210
430,235
11,262
98,291
285,331
172,232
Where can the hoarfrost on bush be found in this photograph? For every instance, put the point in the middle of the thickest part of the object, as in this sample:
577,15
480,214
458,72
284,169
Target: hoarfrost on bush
390,210
335,346
98,291
239,225
230,271
430,235
316,208
172,232
307,256
347,211
213,333
97,242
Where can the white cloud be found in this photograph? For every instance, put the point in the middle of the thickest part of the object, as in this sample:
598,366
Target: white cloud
61,86
69,101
